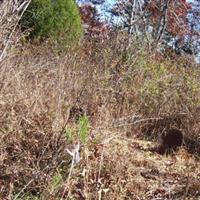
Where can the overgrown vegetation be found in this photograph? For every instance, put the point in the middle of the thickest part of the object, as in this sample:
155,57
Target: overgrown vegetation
79,125
123,99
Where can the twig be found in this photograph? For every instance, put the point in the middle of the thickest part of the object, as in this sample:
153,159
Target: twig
24,188
99,172
140,121
61,133
12,32
186,188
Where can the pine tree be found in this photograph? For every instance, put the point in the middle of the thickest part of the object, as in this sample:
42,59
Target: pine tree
59,20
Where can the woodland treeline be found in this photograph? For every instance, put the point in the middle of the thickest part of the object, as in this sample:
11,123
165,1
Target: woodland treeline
166,26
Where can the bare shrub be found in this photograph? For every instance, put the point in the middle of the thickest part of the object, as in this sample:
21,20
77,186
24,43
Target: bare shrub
10,15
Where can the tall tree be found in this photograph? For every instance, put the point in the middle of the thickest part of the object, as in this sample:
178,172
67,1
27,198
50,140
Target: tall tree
165,21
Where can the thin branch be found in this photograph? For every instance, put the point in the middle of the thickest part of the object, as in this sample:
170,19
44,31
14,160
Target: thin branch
12,32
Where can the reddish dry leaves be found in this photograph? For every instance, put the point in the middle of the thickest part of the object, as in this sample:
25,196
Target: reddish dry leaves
177,19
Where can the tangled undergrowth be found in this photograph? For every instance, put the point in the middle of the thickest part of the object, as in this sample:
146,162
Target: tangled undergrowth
126,97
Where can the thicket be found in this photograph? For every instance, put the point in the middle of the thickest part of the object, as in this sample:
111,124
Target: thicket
74,126
59,20
114,93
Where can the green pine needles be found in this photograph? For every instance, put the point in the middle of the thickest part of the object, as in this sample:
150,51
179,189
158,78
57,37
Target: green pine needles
80,133
83,127
56,19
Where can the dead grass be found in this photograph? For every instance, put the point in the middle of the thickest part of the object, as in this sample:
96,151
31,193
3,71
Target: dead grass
126,96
